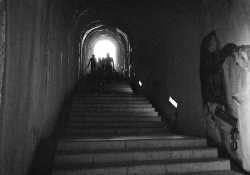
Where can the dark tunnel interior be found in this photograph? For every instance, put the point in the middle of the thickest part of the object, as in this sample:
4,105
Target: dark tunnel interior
194,51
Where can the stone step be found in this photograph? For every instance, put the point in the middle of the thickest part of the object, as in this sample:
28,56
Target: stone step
110,89
116,124
107,95
111,114
110,98
107,91
121,88
113,131
105,85
87,105
112,109
129,142
92,85
103,91
146,167
110,101
225,172
108,118
125,155
116,130
96,84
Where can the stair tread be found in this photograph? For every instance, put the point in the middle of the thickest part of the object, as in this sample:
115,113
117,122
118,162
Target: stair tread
81,116
109,106
123,109
153,136
110,97
134,163
225,172
124,122
72,152
104,87
93,125
113,108
122,118
83,101
110,109
107,95
119,112
112,114
116,127
105,131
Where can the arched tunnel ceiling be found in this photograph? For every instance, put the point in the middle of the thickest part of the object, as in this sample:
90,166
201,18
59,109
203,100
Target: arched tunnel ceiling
129,20
94,36
115,36
114,13
95,30
111,13
118,36
122,14
98,32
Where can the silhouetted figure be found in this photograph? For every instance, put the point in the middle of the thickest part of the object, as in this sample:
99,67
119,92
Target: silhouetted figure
100,70
92,60
109,66
103,63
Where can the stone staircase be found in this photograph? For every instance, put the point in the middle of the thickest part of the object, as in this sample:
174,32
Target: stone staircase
113,131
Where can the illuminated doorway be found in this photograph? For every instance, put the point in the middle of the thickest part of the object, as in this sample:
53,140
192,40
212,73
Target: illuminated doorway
102,47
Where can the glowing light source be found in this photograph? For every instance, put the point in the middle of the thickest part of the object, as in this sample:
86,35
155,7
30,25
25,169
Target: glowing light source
140,83
102,47
174,103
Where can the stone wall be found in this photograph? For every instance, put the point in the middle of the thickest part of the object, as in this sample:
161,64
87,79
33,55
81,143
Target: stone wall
2,44
38,75
224,35
166,61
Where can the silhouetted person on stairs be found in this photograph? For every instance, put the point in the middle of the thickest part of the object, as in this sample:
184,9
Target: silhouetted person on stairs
109,66
99,70
92,60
